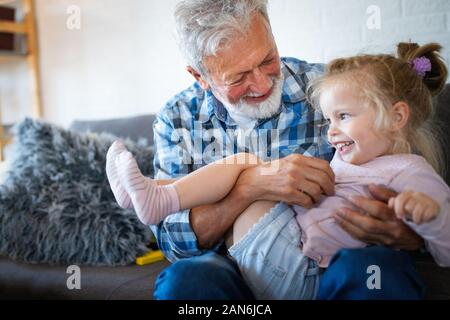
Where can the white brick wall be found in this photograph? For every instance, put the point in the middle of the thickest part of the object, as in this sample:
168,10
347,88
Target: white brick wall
124,60
339,27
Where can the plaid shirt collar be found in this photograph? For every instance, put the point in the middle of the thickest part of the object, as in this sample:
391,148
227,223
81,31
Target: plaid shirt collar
292,93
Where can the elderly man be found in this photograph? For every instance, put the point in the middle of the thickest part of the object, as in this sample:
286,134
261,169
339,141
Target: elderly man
248,99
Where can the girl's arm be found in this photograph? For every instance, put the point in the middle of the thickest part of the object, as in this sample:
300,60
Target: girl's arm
436,232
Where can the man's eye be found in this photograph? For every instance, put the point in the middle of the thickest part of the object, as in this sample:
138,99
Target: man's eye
265,63
236,82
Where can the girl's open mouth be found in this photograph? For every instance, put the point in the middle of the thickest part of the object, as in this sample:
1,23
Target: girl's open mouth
345,147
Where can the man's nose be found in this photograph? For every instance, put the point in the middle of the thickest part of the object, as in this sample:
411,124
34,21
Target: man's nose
260,82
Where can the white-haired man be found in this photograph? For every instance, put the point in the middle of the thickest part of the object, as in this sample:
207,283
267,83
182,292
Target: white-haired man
248,99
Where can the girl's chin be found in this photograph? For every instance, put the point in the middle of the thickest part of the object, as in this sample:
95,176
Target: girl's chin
350,159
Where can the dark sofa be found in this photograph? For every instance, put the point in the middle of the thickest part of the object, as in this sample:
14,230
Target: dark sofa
25,281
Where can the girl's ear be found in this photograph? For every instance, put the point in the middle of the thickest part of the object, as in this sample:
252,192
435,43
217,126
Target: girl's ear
198,77
400,115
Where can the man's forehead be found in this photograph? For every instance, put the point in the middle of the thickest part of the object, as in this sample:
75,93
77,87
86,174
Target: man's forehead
244,52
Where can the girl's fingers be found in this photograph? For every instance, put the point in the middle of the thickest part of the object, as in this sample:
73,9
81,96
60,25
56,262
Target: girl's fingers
391,202
418,212
399,205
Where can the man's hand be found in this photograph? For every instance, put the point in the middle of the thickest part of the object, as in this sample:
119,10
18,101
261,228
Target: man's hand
379,225
295,179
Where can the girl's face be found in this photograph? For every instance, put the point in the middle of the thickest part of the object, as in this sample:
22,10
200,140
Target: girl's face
352,126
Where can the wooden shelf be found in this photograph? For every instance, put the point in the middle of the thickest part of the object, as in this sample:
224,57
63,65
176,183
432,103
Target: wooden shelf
26,27
13,27
6,57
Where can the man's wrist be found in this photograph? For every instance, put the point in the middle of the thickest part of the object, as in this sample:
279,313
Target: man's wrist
242,194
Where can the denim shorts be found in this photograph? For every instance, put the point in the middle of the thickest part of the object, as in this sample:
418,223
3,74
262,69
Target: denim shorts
271,261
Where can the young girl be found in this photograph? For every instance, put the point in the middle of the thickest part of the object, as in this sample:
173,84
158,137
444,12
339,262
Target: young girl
378,109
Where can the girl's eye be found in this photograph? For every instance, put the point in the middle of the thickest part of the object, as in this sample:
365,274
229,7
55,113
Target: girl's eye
343,116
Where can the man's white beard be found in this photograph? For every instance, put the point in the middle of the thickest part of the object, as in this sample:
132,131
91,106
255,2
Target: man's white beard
265,109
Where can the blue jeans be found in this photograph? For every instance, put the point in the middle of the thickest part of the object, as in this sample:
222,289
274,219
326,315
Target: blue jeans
215,277
347,276
207,277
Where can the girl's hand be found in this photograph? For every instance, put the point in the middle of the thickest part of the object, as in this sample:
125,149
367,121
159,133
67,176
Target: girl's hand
416,206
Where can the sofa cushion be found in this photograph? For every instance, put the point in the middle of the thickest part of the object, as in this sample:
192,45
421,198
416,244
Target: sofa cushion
56,205
25,281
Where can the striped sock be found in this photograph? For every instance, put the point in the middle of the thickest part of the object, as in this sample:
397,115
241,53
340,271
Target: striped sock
151,202
118,190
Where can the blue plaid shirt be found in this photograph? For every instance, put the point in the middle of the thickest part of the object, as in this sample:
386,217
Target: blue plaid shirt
194,129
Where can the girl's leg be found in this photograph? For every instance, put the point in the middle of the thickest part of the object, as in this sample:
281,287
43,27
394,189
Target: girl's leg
247,220
269,255
213,182
153,203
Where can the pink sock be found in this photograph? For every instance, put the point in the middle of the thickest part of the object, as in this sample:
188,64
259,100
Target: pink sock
118,190
151,202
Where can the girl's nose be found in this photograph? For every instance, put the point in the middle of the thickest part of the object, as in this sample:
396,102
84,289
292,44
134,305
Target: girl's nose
332,130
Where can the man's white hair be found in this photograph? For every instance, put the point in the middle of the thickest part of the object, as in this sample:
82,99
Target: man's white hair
204,26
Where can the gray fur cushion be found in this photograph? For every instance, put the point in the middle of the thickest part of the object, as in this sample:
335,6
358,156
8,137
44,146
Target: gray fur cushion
56,205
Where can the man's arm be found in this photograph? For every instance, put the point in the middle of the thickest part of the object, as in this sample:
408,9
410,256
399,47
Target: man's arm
172,158
211,222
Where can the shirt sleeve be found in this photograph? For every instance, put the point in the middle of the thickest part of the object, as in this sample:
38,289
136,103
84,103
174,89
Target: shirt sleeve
435,233
174,235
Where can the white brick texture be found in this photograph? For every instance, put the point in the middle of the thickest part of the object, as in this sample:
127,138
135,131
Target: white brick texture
342,29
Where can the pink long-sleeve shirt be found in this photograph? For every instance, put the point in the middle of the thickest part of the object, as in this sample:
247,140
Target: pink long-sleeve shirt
322,237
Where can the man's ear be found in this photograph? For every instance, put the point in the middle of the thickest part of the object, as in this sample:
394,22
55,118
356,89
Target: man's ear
400,115
198,77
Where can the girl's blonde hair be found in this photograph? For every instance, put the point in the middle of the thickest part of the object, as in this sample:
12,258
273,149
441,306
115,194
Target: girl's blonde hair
384,80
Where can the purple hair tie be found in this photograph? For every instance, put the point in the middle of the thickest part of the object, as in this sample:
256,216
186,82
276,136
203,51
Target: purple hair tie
421,65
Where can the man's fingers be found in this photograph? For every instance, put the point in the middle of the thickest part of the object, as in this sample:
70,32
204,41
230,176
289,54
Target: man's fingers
322,165
321,178
375,208
381,193
365,223
311,189
370,230
358,233
302,199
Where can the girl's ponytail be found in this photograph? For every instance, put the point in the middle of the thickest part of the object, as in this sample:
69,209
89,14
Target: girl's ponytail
434,79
